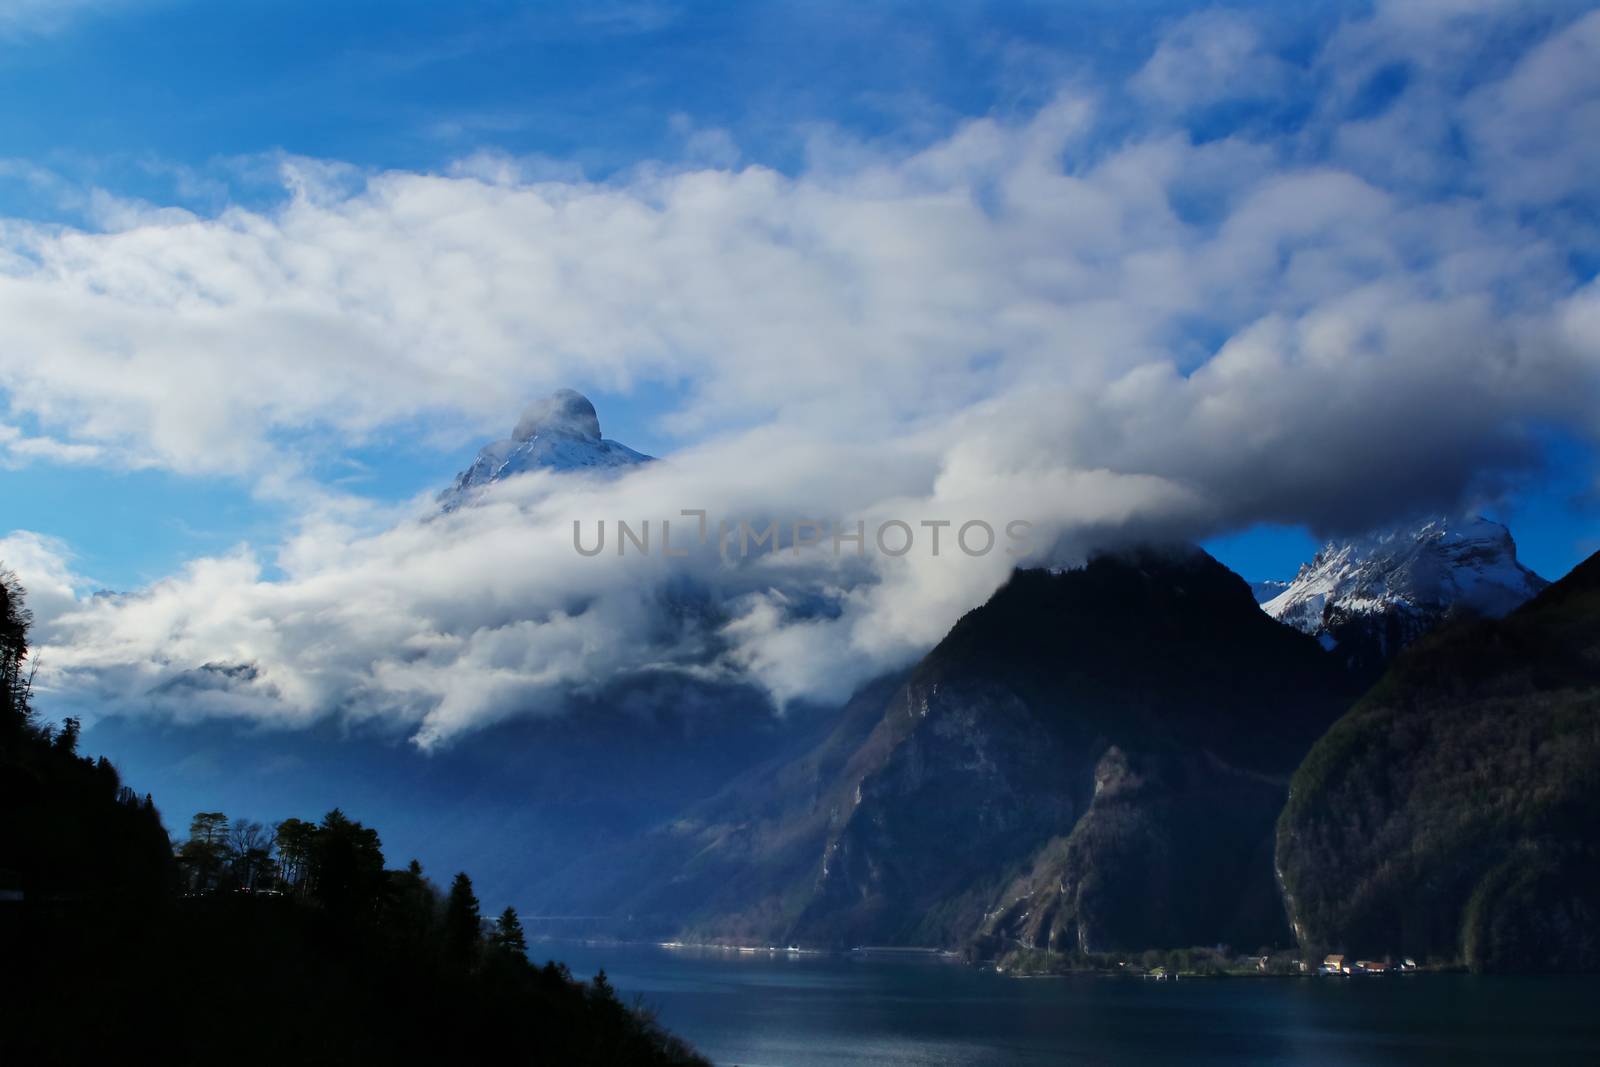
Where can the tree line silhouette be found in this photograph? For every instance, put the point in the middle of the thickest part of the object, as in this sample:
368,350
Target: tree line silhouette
337,865
252,943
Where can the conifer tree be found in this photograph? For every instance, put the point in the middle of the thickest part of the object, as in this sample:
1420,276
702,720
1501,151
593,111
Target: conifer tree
508,933
462,921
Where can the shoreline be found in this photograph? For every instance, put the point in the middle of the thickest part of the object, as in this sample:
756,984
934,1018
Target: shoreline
948,956
862,951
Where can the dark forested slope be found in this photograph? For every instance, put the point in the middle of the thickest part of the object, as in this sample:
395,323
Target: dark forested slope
250,946
1452,812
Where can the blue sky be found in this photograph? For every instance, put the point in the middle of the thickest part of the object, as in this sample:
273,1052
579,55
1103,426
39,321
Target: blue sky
185,104
136,89
270,273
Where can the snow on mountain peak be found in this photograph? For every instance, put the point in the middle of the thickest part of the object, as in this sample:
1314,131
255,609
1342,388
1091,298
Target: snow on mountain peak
1410,576
559,433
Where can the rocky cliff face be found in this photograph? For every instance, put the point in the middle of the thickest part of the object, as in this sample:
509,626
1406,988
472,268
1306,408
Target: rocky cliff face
1451,812
961,780
1173,850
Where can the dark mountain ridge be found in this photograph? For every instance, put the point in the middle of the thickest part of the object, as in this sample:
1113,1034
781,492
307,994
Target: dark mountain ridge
946,802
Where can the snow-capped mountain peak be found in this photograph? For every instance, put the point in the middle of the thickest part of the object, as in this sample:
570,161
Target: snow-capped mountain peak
1391,586
558,433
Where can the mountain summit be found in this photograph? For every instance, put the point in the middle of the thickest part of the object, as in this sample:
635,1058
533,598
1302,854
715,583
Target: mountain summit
1370,596
559,433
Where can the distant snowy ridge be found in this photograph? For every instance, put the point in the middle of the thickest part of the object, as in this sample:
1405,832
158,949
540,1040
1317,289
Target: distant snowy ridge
1265,591
559,433
1389,588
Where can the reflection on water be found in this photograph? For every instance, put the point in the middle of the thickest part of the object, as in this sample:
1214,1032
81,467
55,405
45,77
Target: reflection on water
804,1011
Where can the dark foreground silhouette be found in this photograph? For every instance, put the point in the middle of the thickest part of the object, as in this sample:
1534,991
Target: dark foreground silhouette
289,945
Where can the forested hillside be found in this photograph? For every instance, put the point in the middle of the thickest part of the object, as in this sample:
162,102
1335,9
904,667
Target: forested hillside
1451,812
254,944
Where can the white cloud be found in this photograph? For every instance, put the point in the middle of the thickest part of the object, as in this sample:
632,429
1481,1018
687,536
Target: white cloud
441,624
1211,57
20,448
44,566
1538,130
1145,336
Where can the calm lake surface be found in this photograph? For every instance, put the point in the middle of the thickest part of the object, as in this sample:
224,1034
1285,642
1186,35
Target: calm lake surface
808,1011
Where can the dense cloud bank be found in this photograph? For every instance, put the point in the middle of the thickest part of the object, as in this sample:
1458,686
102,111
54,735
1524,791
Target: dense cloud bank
1369,309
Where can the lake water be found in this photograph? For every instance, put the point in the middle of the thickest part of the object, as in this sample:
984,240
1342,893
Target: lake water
810,1011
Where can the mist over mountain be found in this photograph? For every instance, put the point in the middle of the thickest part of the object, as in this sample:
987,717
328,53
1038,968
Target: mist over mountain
1096,760
1110,742
518,800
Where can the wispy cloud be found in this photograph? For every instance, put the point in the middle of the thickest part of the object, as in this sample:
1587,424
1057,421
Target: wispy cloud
1209,58
19,447
20,19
